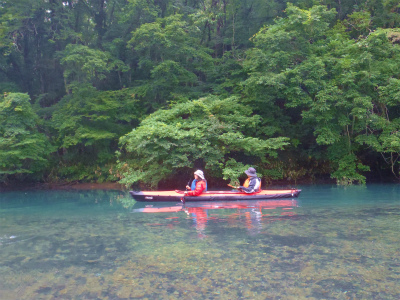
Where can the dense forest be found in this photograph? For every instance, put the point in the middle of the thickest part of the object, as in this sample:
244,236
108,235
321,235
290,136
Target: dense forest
146,91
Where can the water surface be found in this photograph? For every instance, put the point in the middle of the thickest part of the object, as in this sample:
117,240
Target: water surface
330,243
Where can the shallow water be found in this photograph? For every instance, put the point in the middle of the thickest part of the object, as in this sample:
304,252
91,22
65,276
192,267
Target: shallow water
330,243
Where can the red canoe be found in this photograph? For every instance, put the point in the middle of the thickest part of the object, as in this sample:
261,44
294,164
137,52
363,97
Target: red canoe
173,196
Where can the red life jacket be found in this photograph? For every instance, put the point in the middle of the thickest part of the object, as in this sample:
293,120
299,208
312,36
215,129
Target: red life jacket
200,187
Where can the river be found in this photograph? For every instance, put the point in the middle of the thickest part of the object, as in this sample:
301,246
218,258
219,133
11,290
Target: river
330,243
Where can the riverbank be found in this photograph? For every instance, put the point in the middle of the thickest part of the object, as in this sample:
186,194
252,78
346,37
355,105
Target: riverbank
64,186
162,186
116,186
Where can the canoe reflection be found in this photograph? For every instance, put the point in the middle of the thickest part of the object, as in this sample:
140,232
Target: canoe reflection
148,207
250,212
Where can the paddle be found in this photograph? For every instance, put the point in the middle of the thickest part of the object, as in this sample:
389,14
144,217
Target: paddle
183,197
234,187
188,185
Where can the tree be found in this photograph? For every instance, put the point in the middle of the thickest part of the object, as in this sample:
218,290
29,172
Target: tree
85,65
171,61
334,79
23,149
211,133
28,42
88,124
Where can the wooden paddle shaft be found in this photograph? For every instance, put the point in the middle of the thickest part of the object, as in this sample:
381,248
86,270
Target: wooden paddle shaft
234,187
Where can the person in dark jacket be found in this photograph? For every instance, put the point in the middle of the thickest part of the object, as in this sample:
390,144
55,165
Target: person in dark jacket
252,183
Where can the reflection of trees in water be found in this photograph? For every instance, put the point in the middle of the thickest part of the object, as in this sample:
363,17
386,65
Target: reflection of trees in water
126,200
38,197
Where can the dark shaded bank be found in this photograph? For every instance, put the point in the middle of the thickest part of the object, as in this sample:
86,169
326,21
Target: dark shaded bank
164,185
214,184
63,186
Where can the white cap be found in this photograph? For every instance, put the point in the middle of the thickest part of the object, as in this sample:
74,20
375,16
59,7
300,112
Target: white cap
199,173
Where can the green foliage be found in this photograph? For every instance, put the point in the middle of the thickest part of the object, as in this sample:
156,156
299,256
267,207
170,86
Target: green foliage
23,149
83,172
324,76
27,45
210,132
334,79
85,65
348,170
171,61
233,170
89,122
8,87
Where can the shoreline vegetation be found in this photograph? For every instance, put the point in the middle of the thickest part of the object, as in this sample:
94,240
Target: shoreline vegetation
145,92
120,187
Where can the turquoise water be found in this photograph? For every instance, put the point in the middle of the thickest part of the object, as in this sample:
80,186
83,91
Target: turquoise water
330,243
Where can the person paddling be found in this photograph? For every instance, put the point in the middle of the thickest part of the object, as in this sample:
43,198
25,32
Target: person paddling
252,183
192,186
201,184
